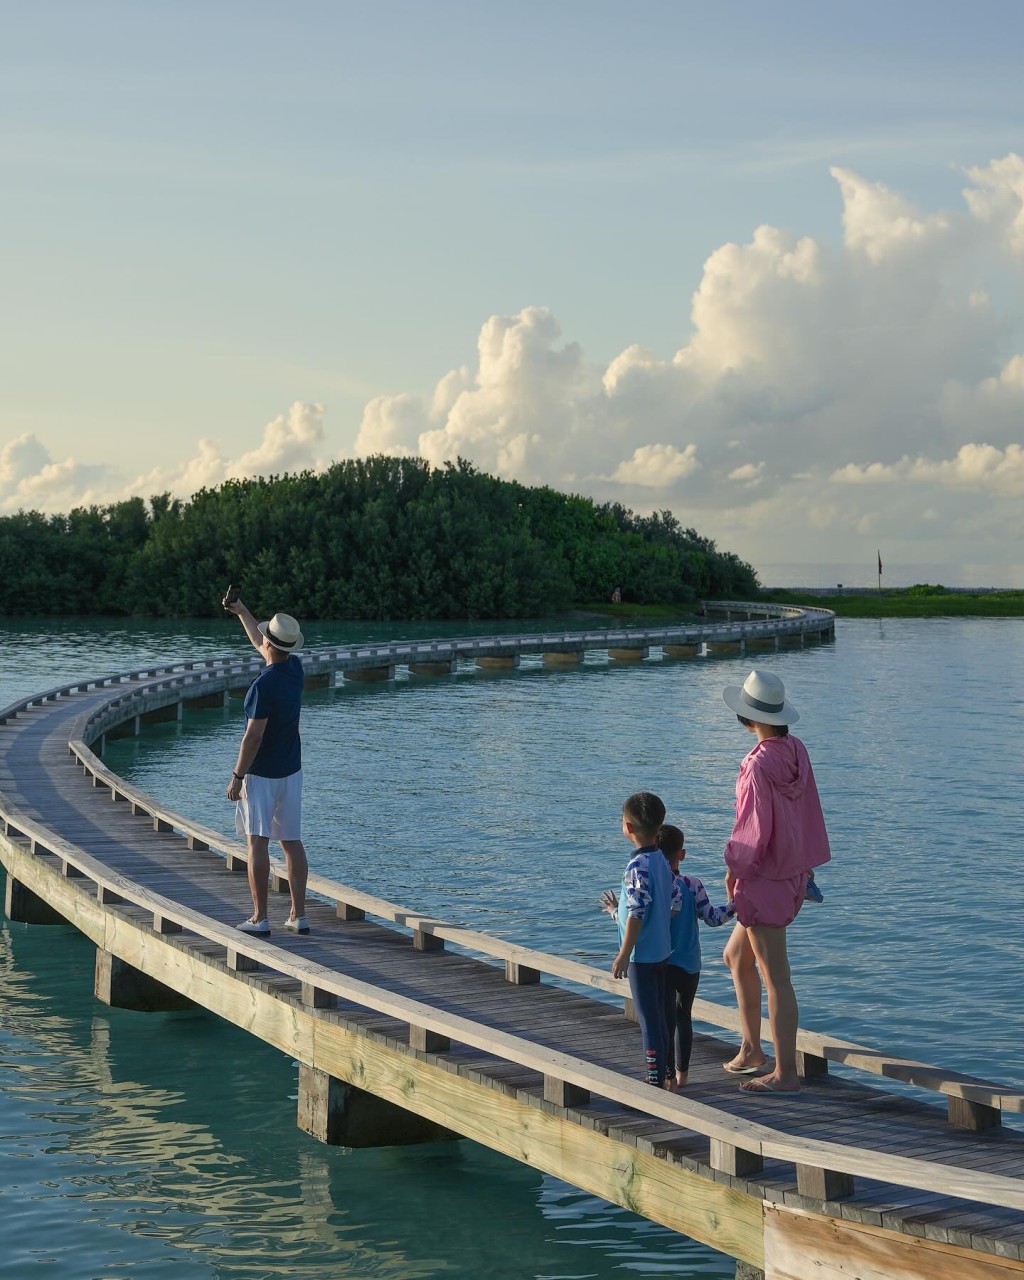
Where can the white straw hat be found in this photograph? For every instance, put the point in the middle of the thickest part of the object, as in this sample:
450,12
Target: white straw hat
762,699
283,632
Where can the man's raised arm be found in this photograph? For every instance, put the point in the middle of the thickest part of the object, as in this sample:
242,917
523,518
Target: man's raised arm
247,620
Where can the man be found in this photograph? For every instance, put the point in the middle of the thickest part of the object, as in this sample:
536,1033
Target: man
266,782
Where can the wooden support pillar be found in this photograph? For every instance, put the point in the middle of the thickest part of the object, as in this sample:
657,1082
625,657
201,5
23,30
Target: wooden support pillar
122,986
368,675
427,941
344,1116
427,1041
206,700
563,658
735,1161
521,974
278,882
508,663
161,714
317,998
629,1010
629,655
823,1184
346,911
235,862
964,1114
445,668
810,1065
22,906
563,1094
680,650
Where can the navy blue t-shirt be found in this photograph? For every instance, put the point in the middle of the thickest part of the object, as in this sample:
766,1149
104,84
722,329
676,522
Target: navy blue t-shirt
276,696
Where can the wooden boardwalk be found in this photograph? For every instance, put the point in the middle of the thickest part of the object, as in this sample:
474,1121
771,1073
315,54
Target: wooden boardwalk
401,1022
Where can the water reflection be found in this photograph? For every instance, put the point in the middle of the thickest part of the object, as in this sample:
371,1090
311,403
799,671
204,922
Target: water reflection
152,1142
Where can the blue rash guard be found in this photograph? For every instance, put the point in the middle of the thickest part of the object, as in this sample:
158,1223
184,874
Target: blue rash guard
650,893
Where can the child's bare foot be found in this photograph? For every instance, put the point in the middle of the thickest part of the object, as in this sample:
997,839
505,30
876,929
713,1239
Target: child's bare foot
682,1079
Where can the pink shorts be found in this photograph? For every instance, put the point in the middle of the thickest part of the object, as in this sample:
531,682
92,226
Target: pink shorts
770,902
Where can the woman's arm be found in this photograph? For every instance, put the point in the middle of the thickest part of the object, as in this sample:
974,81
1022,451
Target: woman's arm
753,829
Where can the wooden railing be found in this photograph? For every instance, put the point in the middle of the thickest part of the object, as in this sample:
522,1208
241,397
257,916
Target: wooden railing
567,1079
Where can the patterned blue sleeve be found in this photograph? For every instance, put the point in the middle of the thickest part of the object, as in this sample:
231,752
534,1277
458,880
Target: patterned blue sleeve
637,886
710,915
677,895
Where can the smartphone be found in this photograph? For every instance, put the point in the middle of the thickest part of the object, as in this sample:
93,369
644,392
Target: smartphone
231,595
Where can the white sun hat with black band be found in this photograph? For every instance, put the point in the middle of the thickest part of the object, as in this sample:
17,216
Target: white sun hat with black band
283,632
761,698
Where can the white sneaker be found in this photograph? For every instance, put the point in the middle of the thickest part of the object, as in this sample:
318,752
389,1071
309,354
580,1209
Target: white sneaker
259,927
301,925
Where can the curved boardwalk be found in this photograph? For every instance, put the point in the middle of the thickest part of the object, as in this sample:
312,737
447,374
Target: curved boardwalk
403,1023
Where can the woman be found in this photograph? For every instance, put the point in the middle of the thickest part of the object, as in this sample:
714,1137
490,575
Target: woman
778,838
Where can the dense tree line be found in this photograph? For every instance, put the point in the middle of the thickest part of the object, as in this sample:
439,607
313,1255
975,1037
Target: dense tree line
373,538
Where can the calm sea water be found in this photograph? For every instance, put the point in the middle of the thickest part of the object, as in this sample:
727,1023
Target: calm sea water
165,1145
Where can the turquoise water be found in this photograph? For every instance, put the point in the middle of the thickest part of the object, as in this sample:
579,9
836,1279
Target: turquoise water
135,1145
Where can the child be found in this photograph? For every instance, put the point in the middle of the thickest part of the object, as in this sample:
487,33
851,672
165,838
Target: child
683,970
644,910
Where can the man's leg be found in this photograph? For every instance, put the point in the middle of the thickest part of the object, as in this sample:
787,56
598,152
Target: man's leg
298,873
769,946
739,956
259,875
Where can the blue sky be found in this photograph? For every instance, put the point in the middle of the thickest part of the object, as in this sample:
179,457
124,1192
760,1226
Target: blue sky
284,231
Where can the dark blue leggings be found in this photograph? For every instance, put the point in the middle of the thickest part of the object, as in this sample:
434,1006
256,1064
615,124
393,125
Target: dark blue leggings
647,983
680,988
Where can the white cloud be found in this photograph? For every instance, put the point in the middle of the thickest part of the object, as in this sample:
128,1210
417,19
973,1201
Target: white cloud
980,467
879,223
997,198
31,480
657,465
291,442
750,474
842,387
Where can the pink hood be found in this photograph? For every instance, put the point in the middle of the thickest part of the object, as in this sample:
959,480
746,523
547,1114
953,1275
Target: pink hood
780,829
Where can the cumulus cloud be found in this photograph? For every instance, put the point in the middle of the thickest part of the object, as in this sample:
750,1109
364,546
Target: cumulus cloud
828,367
291,442
657,465
980,467
817,380
30,479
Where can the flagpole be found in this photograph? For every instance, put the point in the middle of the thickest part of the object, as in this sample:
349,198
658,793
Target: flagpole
879,573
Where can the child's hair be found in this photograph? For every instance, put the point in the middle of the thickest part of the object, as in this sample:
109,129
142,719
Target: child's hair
646,813
671,841
781,730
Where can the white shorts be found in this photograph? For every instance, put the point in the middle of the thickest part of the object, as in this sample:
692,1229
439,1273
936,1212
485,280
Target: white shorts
270,807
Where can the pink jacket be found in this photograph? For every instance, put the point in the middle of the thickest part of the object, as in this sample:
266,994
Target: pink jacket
780,829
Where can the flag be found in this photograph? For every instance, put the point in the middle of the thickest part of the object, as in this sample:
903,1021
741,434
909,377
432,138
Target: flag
879,564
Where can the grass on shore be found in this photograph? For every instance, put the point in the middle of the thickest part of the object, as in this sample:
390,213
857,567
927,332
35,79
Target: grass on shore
922,601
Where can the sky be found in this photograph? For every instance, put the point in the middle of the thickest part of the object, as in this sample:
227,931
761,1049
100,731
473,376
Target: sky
762,266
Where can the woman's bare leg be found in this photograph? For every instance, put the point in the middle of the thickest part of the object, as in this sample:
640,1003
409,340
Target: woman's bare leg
769,946
739,956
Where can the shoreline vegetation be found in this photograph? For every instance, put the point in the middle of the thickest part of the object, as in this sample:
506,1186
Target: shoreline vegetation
393,539
371,539
924,600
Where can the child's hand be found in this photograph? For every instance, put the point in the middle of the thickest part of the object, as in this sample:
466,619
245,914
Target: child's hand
620,966
610,901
